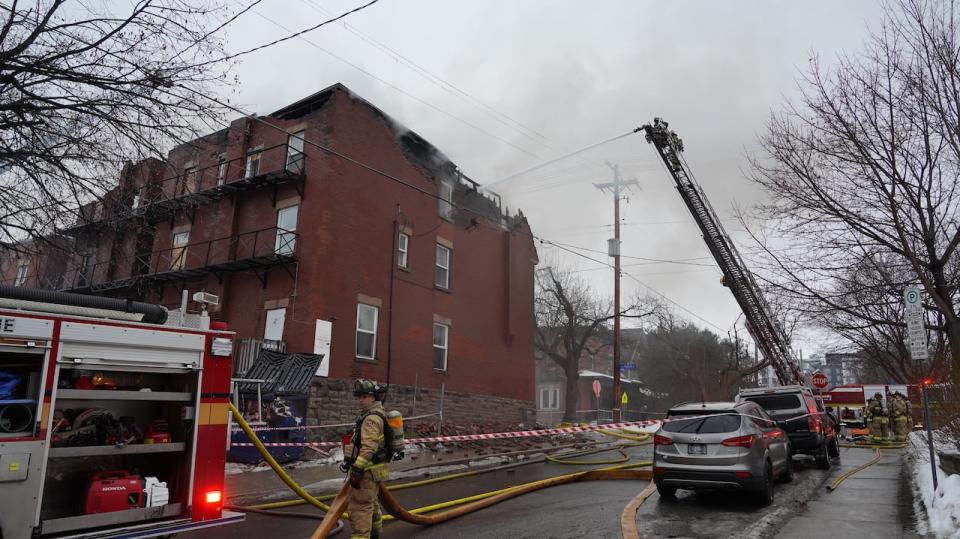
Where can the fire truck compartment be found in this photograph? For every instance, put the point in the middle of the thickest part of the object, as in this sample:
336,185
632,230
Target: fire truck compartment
134,419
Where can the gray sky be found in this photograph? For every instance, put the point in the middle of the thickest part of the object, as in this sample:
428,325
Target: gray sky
557,76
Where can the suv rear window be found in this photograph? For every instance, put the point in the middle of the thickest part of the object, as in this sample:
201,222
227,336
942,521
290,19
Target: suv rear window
703,425
777,402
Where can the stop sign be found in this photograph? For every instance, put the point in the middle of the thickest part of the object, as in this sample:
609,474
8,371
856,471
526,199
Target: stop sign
819,380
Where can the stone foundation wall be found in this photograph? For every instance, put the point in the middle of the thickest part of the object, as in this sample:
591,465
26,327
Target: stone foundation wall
332,401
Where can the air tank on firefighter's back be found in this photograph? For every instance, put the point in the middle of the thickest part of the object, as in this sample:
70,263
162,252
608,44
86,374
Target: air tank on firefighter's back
395,424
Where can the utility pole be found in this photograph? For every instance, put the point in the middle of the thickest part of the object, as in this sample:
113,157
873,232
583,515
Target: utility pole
617,187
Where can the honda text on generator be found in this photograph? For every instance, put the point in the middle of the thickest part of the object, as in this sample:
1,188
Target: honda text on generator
111,423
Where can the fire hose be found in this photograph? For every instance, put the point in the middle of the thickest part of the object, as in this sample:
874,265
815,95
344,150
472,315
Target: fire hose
331,524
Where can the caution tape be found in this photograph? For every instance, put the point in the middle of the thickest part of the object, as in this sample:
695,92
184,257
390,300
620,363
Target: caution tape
482,436
329,426
527,433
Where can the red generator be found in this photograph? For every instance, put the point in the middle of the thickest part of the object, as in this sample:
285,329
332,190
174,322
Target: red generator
114,490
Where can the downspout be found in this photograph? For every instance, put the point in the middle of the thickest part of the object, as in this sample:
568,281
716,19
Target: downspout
393,269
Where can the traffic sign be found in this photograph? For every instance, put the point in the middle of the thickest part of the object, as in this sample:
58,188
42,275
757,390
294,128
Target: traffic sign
623,399
628,366
820,380
596,388
916,332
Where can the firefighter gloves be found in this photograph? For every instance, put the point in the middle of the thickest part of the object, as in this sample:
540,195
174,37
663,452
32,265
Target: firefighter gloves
356,477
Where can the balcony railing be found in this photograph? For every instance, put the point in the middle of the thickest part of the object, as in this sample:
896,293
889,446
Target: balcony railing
195,185
251,250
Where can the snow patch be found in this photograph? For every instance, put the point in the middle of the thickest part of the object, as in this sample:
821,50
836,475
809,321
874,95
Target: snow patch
943,504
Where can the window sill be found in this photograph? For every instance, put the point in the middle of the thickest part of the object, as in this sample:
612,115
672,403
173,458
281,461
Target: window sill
442,289
365,359
444,372
404,268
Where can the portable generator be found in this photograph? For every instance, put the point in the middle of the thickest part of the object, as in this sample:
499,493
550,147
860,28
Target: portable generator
114,490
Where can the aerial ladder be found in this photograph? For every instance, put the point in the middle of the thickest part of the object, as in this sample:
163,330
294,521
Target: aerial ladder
762,325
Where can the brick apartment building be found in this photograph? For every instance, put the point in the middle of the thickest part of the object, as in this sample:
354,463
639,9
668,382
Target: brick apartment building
428,284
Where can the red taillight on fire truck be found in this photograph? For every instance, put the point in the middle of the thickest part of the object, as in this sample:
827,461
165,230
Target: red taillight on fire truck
213,497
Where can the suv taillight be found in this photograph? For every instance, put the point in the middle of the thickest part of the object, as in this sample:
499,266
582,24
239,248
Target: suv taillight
740,441
814,423
661,440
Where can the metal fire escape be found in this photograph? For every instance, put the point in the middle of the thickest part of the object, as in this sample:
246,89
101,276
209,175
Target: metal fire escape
763,327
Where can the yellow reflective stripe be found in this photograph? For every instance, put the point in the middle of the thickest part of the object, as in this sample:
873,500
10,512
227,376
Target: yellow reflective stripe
362,463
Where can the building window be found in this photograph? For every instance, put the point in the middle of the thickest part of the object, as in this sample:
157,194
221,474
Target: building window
295,152
403,247
549,398
178,255
441,334
253,163
366,331
21,277
191,180
86,270
221,169
286,230
442,276
273,327
445,199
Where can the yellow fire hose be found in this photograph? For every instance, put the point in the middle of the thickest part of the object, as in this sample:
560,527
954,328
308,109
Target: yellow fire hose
273,463
641,437
424,482
470,504
836,483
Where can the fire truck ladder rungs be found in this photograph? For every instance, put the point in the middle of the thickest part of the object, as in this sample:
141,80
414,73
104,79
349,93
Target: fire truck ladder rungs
761,324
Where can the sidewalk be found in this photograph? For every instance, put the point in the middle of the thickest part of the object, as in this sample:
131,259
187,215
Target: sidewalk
874,502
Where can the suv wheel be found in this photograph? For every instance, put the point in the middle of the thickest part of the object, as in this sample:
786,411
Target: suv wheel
834,448
664,491
823,456
789,473
765,494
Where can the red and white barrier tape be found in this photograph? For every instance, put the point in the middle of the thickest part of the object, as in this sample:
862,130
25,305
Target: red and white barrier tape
310,427
484,436
525,433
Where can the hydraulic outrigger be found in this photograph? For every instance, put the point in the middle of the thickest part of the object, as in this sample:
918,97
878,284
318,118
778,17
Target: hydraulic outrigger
763,327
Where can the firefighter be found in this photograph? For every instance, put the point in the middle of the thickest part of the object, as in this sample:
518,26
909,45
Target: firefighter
876,418
365,459
900,414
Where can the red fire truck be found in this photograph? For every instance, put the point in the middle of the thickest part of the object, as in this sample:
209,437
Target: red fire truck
112,424
848,402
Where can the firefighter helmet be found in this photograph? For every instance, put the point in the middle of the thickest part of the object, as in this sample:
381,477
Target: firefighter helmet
363,386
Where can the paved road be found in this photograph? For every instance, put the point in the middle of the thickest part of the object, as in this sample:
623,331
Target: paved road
578,510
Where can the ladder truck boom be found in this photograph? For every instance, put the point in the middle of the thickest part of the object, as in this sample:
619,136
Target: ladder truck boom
762,325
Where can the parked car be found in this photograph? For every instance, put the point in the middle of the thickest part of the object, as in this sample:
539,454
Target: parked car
720,446
812,430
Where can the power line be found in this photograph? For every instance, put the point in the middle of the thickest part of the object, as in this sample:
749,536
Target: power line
401,90
657,260
554,160
645,285
291,36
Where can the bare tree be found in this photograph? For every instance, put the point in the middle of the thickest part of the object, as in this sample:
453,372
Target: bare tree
568,317
87,86
691,363
863,174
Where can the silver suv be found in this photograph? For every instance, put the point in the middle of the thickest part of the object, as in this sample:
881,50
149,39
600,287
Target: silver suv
720,445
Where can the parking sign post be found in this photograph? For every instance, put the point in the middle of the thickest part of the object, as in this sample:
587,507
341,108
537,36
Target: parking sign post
917,331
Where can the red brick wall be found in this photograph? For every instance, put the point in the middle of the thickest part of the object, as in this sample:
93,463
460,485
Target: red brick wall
346,224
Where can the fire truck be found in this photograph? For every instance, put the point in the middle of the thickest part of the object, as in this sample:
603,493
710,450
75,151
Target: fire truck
112,424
